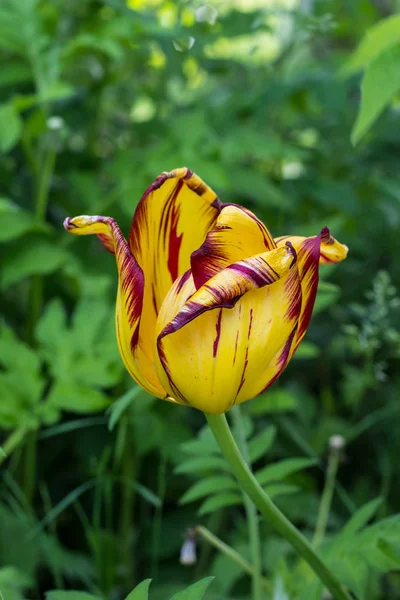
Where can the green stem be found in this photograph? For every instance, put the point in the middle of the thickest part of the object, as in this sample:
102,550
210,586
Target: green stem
251,511
161,489
12,442
281,524
235,557
326,498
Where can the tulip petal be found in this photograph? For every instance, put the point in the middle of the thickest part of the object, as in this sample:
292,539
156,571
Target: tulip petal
236,235
320,249
129,298
224,342
171,221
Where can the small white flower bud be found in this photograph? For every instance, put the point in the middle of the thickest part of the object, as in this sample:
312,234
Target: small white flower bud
337,442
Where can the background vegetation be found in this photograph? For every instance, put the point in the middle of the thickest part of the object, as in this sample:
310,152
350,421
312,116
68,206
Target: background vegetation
99,481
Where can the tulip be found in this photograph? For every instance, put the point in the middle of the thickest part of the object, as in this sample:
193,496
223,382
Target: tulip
210,307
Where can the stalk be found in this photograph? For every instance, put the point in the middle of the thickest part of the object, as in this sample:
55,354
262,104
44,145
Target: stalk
251,510
327,494
279,522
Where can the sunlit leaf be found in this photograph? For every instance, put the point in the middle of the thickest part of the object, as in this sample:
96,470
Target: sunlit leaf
379,85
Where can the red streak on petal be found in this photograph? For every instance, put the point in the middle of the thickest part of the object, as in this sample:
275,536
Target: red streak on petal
175,242
218,330
236,346
250,324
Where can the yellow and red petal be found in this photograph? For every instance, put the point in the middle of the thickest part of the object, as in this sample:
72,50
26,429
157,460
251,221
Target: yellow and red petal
236,235
311,252
172,220
129,305
224,342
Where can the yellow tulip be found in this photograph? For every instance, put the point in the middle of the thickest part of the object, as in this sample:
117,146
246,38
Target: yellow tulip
210,308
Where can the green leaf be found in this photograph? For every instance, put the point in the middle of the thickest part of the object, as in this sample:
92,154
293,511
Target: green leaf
15,221
283,469
390,550
70,595
71,396
307,350
207,486
141,591
10,127
281,489
220,501
377,40
199,464
273,401
262,443
31,257
361,517
195,591
380,83
117,409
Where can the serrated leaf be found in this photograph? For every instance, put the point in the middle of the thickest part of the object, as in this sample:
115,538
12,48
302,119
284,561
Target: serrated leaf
70,595
195,591
283,469
141,591
261,443
71,396
378,39
208,486
361,517
198,464
380,83
220,501
10,127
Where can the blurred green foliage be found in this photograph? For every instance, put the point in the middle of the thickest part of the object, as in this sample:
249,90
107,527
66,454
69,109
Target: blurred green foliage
100,481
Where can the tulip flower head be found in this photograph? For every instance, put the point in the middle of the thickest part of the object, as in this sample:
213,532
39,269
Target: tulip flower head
210,307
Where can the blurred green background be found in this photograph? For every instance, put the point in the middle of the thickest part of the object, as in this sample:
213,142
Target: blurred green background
98,98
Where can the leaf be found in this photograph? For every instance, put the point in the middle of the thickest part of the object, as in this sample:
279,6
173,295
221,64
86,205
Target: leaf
361,517
283,468
390,550
31,257
141,591
70,595
307,350
10,127
14,221
261,443
207,486
117,409
220,501
281,489
71,396
195,591
380,83
198,464
273,401
377,40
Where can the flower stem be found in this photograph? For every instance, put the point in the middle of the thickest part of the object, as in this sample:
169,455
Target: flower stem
326,498
251,511
235,557
281,524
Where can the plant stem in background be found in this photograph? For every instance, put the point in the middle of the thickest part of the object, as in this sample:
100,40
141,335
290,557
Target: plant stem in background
279,522
126,525
161,488
235,557
34,308
251,511
336,444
